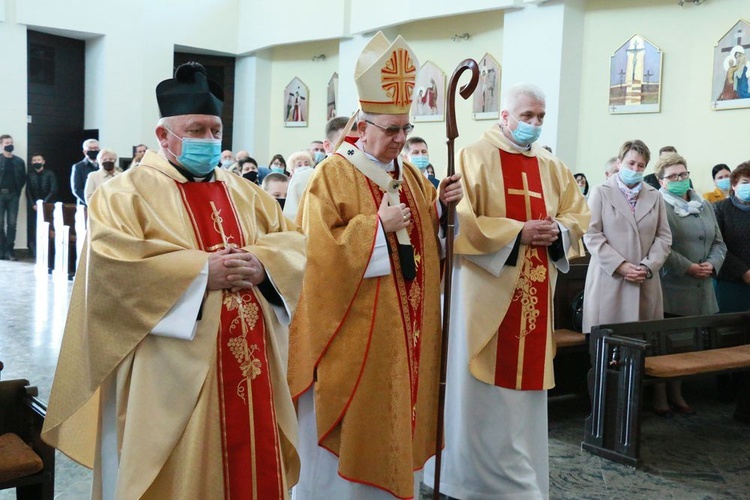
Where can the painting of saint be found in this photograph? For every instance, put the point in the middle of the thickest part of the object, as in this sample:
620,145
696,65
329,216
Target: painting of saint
295,104
732,69
486,103
428,101
635,77
332,94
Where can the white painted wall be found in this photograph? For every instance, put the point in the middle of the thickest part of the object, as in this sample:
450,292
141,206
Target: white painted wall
687,37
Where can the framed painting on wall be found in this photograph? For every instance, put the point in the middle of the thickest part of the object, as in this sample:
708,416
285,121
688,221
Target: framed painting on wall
332,96
486,104
729,87
428,98
635,77
295,104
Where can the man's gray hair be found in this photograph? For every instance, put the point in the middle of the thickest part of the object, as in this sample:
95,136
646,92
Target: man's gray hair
88,142
165,121
527,89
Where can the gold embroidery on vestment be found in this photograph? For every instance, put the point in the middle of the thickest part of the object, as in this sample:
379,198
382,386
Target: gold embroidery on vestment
526,292
247,317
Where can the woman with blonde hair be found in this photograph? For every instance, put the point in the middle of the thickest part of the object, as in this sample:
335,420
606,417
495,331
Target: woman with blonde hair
300,159
698,252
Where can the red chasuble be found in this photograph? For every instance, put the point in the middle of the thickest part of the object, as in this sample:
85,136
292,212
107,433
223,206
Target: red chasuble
522,335
410,292
250,438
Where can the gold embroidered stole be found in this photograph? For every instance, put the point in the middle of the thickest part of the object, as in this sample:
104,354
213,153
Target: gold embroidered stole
250,438
522,335
410,292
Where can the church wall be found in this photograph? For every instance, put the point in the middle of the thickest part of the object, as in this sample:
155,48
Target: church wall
687,37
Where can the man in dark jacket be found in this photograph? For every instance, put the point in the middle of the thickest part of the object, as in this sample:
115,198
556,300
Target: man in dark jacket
12,179
83,168
41,185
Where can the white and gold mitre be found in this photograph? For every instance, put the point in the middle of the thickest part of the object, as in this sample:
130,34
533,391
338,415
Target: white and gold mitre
385,76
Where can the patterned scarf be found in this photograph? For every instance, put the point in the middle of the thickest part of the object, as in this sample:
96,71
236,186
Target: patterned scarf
631,194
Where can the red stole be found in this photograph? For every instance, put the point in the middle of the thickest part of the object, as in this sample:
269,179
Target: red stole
410,292
522,335
250,437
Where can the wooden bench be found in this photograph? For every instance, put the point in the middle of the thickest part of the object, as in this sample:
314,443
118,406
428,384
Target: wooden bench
571,362
627,356
26,462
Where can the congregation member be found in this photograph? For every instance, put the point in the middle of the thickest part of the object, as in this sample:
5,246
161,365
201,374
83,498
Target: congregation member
249,169
297,185
521,214
300,161
733,281
276,185
138,153
81,170
417,153
227,159
611,167
696,256
365,342
629,241
733,216
317,151
106,159
277,165
430,171
12,180
651,178
583,184
171,378
720,174
41,184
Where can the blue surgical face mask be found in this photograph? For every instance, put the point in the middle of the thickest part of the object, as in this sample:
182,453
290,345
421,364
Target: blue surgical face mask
743,192
419,161
723,184
277,170
199,156
630,177
525,134
318,156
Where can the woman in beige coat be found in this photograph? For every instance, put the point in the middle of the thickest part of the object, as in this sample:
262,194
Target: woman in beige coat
629,240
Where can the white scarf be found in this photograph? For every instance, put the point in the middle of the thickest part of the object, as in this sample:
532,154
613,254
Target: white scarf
681,207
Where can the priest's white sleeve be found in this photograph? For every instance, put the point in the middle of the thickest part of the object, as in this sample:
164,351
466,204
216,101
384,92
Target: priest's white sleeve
563,264
283,314
181,320
380,262
493,263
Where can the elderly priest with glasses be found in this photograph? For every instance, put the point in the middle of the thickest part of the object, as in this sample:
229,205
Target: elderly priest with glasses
365,342
171,381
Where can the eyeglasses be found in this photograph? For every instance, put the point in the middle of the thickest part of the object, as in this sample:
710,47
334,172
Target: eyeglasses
677,177
393,130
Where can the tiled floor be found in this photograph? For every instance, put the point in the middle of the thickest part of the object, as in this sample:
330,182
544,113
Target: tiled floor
697,457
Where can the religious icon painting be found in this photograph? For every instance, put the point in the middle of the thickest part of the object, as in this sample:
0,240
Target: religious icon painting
333,96
729,87
428,96
296,104
486,105
635,77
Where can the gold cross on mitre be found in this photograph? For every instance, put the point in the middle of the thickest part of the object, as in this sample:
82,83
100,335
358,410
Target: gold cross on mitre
527,195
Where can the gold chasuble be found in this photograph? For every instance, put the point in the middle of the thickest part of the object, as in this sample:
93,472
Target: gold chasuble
368,346
510,315
210,417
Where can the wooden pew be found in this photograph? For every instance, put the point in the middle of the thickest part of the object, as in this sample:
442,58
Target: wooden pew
571,362
628,356
65,240
45,237
21,419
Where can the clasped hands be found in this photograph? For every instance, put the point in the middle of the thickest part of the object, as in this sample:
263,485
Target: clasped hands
540,233
399,216
234,269
701,271
633,273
